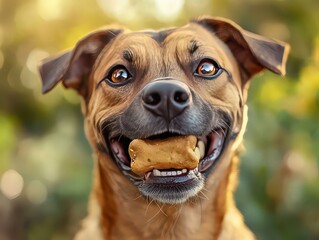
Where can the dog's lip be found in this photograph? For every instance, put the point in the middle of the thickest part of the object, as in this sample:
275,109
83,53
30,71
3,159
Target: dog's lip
214,146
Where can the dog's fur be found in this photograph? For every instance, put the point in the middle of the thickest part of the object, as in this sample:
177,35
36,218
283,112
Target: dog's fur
117,209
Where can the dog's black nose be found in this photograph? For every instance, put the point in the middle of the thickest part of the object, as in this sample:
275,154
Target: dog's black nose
166,98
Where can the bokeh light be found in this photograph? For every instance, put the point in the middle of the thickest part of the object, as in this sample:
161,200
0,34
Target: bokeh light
51,10
167,10
36,192
11,184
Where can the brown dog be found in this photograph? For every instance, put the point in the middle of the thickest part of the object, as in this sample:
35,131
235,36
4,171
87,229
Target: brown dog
156,86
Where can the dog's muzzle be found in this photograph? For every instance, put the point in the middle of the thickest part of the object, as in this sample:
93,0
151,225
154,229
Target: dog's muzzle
161,110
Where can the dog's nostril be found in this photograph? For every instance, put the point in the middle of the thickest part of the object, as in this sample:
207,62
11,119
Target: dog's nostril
152,99
181,97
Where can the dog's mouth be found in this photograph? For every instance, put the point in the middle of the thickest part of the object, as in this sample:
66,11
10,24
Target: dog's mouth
209,148
172,185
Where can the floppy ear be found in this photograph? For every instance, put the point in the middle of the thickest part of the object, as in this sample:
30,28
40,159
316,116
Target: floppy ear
74,67
252,52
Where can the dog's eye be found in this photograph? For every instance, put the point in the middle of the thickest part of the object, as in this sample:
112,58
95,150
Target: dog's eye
119,75
208,68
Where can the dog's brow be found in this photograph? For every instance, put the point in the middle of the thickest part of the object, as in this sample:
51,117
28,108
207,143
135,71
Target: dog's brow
128,55
193,46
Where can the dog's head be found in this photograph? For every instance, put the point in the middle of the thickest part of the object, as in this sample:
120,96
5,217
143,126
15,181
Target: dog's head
190,80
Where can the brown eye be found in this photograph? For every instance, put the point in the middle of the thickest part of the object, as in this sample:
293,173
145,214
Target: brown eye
208,69
119,75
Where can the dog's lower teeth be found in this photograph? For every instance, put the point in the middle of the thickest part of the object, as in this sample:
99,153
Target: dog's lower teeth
158,173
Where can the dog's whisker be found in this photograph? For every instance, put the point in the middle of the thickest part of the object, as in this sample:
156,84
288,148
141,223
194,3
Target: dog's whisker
204,189
177,218
154,216
160,208
201,197
148,206
138,197
204,195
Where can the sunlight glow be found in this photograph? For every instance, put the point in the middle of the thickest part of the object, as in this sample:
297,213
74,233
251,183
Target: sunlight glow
168,10
51,10
130,10
115,8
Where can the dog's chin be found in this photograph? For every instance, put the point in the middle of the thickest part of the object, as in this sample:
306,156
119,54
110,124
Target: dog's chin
171,186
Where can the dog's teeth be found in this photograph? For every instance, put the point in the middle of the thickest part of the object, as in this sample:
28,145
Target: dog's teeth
164,174
197,152
156,172
196,170
201,146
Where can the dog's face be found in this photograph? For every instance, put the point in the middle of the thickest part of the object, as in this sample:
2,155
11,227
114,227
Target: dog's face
153,85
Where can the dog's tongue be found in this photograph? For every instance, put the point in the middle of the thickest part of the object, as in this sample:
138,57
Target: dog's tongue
177,152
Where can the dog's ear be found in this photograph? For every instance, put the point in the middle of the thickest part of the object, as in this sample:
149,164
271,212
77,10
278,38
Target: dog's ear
74,67
252,52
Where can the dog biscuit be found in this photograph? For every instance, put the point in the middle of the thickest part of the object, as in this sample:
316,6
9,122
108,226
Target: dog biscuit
175,152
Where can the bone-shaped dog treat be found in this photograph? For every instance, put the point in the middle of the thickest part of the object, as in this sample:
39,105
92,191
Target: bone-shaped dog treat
175,152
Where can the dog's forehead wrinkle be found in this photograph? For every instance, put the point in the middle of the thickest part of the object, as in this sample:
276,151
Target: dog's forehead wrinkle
128,55
139,50
193,46
188,47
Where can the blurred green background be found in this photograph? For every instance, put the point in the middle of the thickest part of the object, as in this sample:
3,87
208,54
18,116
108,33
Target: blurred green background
45,160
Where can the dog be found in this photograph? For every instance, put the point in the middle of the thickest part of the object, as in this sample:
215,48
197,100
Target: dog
155,86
